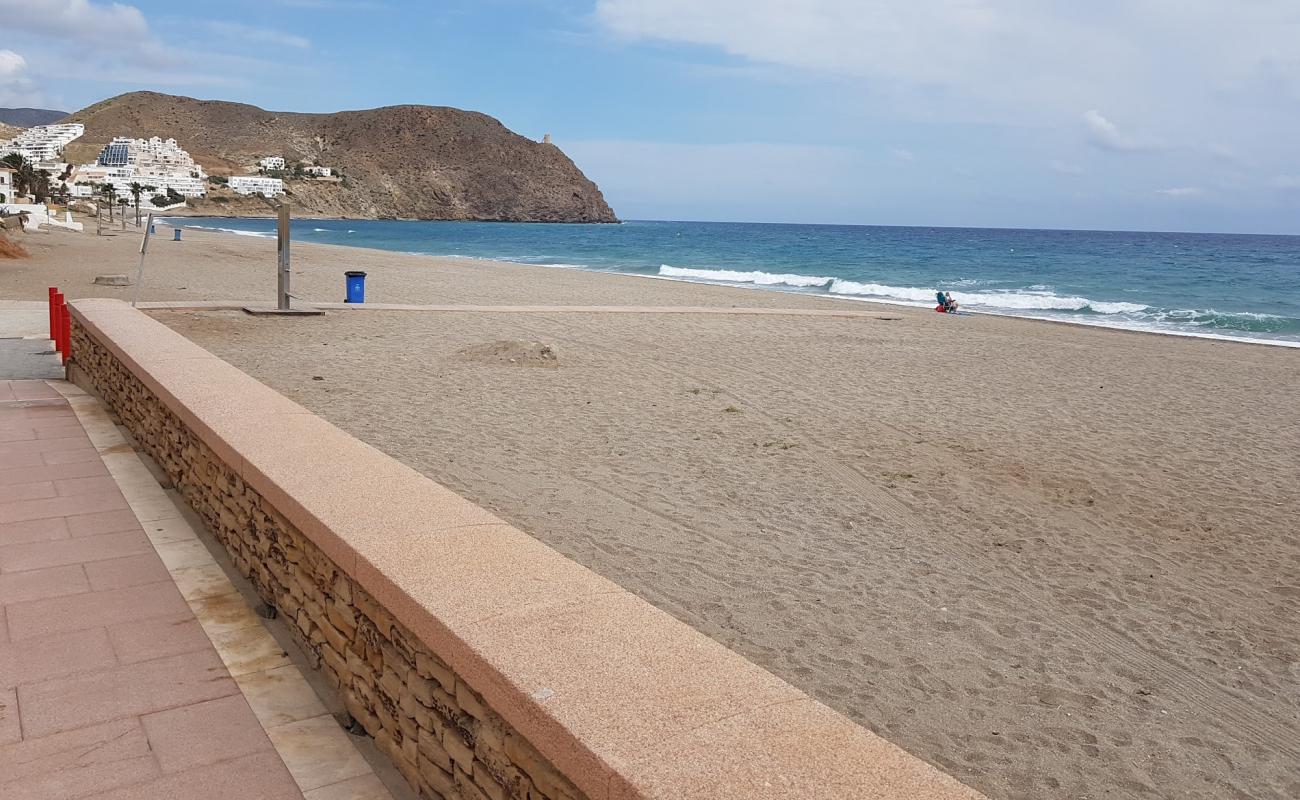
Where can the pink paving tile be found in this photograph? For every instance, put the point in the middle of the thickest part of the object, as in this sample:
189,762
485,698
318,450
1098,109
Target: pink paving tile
56,656
148,639
15,492
33,409
40,423
118,521
74,764
205,733
11,726
38,584
63,704
69,487
72,428
71,456
262,776
119,573
79,442
36,530
37,555
28,460
61,506
93,610
17,435
43,472
34,390
6,392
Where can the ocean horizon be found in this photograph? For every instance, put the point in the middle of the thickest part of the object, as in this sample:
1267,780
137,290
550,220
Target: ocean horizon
1243,287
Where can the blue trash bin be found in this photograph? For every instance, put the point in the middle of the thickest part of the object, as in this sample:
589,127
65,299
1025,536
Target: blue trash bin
356,286
176,235
153,231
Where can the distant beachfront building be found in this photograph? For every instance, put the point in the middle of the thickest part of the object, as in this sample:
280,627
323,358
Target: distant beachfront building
153,156
43,144
255,184
160,163
272,162
320,172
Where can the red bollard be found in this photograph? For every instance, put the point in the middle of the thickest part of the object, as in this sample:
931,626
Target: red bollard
66,333
58,322
53,322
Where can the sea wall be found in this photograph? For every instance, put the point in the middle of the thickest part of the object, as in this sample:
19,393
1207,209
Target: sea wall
485,664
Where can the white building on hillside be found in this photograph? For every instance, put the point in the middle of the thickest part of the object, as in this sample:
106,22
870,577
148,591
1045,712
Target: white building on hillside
320,172
155,162
43,144
272,162
256,184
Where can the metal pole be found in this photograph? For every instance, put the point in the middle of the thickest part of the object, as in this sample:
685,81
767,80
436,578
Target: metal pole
282,247
139,274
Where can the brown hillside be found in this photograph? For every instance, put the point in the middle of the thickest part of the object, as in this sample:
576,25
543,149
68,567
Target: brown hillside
8,132
420,162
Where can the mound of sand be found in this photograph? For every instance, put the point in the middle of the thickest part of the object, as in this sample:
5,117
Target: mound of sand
11,249
513,351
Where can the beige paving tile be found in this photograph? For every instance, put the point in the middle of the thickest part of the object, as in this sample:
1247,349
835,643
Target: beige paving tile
160,507
279,696
139,487
177,529
363,787
125,463
249,649
204,580
223,613
317,752
188,553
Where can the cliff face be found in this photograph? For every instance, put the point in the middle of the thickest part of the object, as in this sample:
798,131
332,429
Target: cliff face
417,162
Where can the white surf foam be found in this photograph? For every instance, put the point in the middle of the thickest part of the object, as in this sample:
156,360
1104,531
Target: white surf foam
237,232
732,276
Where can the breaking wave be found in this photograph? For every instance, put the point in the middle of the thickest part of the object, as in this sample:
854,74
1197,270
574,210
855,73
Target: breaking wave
1024,300
731,276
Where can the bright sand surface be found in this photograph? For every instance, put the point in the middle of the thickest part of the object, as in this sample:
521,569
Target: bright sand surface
1057,561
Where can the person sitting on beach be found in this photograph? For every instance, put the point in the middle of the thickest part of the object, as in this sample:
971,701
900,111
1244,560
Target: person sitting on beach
946,303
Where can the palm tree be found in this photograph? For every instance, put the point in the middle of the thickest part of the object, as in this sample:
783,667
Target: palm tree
136,190
41,185
109,191
24,172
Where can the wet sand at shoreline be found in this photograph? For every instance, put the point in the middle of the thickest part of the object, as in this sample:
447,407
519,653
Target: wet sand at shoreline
1057,561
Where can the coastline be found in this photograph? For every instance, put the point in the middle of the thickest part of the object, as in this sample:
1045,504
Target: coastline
730,293
1103,321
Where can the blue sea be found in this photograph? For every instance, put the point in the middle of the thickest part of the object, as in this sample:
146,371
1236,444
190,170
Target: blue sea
1224,286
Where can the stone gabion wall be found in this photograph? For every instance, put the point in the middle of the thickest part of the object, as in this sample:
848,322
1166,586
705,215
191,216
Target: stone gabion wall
435,727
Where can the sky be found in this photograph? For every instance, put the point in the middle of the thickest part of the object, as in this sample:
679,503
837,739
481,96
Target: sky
1113,114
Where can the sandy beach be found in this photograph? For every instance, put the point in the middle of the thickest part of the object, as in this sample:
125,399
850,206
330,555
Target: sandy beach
1056,561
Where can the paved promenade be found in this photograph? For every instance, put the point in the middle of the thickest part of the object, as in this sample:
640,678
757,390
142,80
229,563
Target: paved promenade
130,666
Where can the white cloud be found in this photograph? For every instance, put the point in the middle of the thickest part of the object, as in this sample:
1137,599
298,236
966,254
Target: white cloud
1065,167
1163,67
12,65
1181,191
1104,134
903,154
81,20
249,33
16,88
91,41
